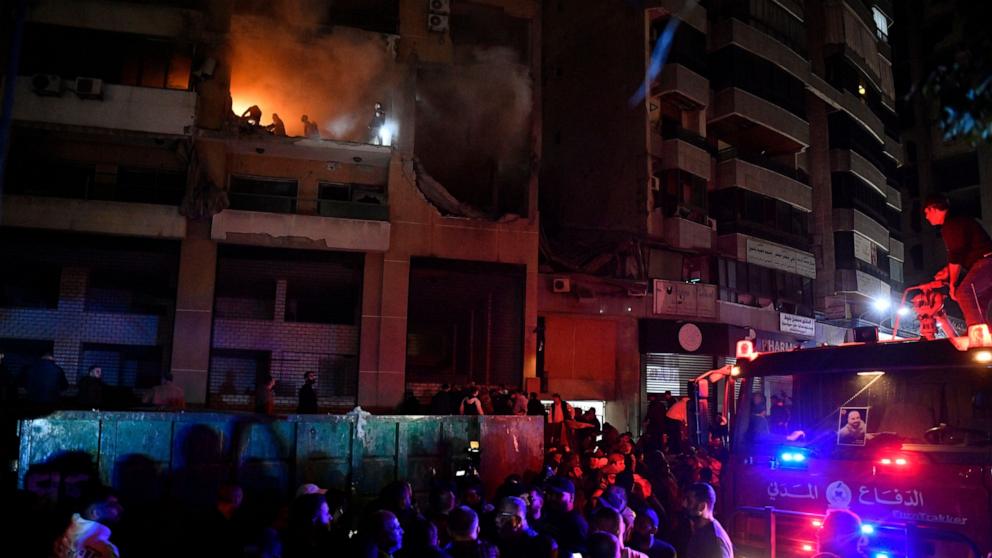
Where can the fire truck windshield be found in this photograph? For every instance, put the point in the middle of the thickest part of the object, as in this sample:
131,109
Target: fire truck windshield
842,411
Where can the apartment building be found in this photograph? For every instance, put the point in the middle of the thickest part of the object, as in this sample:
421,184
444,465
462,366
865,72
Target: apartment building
747,190
153,221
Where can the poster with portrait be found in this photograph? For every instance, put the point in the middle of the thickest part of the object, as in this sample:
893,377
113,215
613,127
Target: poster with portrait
852,426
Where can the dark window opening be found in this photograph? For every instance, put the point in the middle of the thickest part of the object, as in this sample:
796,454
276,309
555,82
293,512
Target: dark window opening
130,288
737,210
465,322
30,284
754,285
272,195
735,67
117,58
322,301
682,194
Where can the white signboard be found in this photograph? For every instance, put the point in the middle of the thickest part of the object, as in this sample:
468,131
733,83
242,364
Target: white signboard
684,299
779,257
800,325
864,249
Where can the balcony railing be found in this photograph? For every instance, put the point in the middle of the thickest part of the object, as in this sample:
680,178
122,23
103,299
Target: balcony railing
765,232
670,129
342,209
764,162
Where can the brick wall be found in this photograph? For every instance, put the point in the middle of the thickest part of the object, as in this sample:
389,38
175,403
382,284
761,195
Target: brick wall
102,316
244,346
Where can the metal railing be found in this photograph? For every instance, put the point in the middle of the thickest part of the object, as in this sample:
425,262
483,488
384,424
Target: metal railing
343,209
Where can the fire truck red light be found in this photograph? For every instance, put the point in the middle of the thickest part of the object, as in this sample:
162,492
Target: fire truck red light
817,523
886,461
807,548
901,461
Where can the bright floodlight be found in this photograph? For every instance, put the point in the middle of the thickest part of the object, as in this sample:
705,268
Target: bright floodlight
882,304
386,134
902,311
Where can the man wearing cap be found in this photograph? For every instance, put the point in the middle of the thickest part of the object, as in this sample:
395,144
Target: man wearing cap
840,536
562,522
969,249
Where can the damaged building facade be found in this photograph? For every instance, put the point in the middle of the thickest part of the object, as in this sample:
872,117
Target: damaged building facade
148,227
749,190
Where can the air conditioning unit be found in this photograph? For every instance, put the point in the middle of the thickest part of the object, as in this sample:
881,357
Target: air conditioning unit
439,6
561,285
89,88
437,23
47,84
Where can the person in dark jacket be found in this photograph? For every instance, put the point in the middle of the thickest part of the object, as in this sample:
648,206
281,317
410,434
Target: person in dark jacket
441,402
91,389
308,394
534,406
44,382
463,526
265,395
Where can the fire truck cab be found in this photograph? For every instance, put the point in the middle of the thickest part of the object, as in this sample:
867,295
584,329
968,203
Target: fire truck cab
899,432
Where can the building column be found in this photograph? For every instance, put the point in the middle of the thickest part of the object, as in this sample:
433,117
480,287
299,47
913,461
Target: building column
382,363
194,312
69,329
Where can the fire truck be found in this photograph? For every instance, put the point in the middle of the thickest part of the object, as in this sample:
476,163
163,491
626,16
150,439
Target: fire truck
898,432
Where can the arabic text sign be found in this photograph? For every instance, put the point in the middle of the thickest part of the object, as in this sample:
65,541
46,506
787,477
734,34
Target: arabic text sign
800,325
767,254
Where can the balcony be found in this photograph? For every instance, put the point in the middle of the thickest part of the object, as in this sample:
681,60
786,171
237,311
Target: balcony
687,235
299,231
119,107
682,86
742,118
850,30
93,216
846,160
686,153
764,176
753,38
859,282
747,248
847,219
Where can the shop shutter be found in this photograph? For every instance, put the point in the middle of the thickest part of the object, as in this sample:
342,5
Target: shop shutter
670,372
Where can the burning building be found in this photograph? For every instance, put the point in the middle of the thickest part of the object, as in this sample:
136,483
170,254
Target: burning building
387,241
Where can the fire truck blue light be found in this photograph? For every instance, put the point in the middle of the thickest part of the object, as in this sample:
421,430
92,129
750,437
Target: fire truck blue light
868,530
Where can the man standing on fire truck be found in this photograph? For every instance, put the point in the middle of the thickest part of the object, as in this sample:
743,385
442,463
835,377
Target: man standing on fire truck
969,254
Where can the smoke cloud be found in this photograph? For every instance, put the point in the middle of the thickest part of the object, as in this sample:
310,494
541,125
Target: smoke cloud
284,66
473,124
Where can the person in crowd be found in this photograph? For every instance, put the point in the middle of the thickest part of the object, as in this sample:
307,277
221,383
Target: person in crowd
88,533
91,389
44,381
278,127
441,401
265,395
514,536
708,538
440,502
534,406
410,404
969,266
840,536
463,527
8,383
644,538
562,521
386,535
397,497
535,505
518,403
220,531
308,395
308,535
471,404
609,521
167,396
421,541
604,545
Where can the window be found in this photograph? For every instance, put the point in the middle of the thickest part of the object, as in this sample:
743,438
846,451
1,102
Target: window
119,58
273,195
123,365
881,24
29,284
